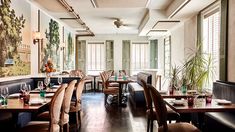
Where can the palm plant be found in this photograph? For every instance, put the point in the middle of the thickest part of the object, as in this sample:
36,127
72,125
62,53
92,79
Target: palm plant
198,70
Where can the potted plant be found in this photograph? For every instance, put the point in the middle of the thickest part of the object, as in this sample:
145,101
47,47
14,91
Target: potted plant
197,69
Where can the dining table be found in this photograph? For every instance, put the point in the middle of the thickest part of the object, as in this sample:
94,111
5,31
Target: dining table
178,94
120,80
199,107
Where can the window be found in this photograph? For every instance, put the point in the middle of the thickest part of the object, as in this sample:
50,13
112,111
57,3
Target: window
139,56
96,56
167,56
211,38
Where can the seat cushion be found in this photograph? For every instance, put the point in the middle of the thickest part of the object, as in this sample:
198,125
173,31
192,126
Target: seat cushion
36,126
5,116
180,127
44,116
224,118
111,90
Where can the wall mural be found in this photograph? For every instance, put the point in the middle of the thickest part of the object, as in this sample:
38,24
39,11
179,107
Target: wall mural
69,53
14,40
50,30
51,49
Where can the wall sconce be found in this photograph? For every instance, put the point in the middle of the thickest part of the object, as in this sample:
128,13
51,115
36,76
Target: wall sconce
36,37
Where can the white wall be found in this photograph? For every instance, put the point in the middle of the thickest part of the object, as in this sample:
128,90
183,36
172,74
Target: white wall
117,44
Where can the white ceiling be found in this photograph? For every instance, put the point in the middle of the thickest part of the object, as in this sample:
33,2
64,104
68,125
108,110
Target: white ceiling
100,20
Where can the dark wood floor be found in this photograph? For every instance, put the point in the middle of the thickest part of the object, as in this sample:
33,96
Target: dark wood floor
98,118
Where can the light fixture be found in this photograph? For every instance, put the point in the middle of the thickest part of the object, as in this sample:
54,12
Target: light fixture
36,37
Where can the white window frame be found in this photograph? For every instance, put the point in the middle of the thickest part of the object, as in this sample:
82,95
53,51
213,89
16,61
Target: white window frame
134,71
208,12
93,71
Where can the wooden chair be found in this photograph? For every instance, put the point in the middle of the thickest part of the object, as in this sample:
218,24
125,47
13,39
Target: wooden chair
161,115
54,112
151,113
77,104
107,89
66,106
81,74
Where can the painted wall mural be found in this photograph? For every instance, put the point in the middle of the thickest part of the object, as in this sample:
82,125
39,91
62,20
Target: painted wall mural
69,51
14,40
50,30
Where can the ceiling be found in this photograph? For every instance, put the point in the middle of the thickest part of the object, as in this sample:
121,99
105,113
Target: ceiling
141,16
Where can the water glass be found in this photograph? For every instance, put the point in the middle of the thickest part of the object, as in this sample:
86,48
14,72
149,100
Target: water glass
47,81
184,90
4,95
40,85
208,98
190,100
60,80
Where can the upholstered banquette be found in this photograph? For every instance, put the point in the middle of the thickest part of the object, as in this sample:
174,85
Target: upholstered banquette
136,90
14,87
222,120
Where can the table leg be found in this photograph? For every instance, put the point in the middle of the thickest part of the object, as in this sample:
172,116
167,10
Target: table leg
120,94
94,83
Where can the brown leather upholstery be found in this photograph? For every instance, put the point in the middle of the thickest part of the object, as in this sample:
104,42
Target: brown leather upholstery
55,108
161,115
107,89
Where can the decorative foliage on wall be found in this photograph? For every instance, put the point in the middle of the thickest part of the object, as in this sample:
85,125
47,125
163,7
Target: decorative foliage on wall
52,46
69,63
11,62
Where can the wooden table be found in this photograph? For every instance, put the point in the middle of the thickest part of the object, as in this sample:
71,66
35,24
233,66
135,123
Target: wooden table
199,108
17,105
178,94
121,81
94,77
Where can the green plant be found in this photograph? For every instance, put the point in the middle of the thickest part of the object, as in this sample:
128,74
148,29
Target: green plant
174,76
197,69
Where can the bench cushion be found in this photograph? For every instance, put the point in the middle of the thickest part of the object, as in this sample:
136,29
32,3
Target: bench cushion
220,120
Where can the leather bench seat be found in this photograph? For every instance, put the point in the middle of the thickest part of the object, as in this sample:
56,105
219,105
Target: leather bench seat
225,121
220,120
136,91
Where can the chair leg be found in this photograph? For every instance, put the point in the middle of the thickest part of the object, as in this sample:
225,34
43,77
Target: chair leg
151,123
105,99
67,127
148,125
77,120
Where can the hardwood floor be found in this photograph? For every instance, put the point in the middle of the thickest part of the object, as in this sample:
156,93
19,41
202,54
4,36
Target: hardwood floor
98,118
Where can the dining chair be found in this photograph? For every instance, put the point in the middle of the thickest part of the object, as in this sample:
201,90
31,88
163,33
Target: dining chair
81,74
66,106
123,73
108,90
151,113
107,75
54,112
75,106
161,115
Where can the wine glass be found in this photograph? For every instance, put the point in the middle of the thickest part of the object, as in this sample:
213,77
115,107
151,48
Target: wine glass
60,80
40,85
23,87
27,90
4,94
47,81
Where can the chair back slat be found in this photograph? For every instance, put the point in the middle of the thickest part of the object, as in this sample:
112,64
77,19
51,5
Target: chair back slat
147,94
79,90
160,107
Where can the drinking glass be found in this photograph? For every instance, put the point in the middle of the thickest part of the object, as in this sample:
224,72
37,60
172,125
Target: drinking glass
47,81
23,87
40,85
4,94
60,80
28,89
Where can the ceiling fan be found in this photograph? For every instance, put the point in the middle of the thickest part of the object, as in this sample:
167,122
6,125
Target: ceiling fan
118,23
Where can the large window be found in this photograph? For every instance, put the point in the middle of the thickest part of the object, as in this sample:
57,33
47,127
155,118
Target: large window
167,56
211,38
139,56
96,56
